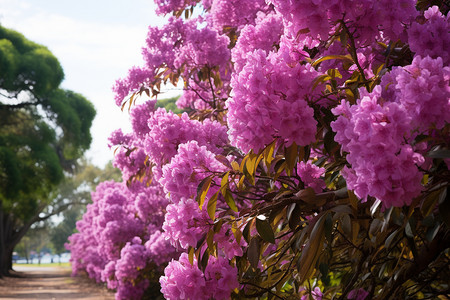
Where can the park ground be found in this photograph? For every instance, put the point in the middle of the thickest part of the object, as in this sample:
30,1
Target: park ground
50,282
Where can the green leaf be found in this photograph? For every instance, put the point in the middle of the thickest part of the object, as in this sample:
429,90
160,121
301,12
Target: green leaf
328,57
291,155
210,240
431,233
390,239
224,181
439,153
212,203
264,229
230,201
191,255
202,190
246,231
293,215
334,73
444,207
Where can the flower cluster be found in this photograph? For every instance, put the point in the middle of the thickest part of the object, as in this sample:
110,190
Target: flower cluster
310,175
310,22
108,245
269,100
373,134
184,280
432,38
422,89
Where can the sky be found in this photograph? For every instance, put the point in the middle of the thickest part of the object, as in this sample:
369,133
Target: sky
96,42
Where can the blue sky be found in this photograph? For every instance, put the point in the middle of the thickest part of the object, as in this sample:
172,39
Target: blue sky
96,42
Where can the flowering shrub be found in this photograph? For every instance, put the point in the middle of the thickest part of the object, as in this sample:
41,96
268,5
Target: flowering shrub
312,161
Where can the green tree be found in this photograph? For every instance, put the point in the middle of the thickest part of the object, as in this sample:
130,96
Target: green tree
43,131
169,104
76,191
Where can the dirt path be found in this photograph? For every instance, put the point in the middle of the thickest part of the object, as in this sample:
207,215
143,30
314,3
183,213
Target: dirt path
52,283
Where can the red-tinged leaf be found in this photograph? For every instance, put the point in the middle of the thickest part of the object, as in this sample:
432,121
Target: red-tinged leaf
293,215
307,195
312,249
253,252
264,229
224,161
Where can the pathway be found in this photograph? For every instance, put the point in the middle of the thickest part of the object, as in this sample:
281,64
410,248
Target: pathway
53,283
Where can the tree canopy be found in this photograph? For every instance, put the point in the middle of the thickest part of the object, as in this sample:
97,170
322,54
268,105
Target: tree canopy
43,131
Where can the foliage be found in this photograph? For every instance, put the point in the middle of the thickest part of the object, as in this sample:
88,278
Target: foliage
169,104
313,162
43,131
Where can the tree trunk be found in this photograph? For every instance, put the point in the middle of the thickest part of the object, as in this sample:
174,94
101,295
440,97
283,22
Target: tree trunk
5,252
9,238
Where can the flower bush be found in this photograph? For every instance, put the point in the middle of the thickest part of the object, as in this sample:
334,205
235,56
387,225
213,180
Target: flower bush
312,161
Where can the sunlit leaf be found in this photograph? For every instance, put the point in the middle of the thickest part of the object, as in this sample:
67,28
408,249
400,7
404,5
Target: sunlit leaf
328,57
230,201
212,203
202,190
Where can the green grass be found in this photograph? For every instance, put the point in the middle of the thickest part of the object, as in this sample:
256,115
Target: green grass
56,264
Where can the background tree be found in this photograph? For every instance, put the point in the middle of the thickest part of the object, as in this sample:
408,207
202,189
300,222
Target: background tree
75,191
43,131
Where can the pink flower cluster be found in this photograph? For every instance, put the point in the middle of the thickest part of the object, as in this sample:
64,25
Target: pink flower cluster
422,89
264,35
168,130
310,175
310,22
432,38
178,44
269,100
110,245
185,224
234,13
382,165
187,169
185,281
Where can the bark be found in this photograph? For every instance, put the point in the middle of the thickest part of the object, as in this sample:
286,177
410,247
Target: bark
11,234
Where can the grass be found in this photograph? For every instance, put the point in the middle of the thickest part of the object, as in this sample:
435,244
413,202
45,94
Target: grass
56,264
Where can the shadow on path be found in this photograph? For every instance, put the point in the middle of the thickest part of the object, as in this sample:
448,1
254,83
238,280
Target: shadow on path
31,282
